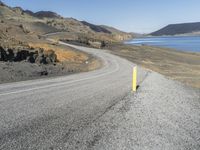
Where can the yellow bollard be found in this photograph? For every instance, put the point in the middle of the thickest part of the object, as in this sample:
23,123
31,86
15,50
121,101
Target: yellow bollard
134,86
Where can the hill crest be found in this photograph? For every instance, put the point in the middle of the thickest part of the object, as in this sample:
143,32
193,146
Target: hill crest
177,29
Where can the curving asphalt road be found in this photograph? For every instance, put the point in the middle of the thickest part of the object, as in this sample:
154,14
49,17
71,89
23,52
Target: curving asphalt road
39,114
97,110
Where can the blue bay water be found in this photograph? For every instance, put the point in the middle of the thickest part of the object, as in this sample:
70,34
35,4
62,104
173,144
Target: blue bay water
181,43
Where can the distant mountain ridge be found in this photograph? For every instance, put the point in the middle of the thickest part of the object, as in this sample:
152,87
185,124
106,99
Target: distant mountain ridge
177,29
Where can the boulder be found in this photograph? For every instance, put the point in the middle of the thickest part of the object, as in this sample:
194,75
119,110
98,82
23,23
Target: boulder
21,55
3,54
51,57
31,58
10,55
40,56
44,73
41,59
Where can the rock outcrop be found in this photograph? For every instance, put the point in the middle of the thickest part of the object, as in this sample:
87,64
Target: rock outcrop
33,56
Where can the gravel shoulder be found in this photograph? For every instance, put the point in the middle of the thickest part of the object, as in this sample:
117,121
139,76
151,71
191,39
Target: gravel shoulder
163,114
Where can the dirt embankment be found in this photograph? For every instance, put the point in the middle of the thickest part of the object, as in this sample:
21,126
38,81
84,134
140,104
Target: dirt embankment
181,66
43,60
24,55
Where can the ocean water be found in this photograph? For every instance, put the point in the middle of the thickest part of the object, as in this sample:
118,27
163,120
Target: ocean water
181,43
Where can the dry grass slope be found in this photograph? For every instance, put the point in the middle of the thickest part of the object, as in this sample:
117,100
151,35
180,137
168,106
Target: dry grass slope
181,66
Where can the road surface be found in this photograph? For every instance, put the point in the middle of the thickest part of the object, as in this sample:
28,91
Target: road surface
42,113
96,110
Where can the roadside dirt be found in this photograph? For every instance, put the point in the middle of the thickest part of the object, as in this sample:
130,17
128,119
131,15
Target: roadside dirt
181,66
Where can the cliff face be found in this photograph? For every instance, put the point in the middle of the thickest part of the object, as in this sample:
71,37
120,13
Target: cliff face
175,29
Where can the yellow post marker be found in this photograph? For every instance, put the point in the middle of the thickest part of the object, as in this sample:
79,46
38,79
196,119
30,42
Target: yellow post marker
134,84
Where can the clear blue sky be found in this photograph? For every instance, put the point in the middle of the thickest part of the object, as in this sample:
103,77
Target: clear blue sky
141,16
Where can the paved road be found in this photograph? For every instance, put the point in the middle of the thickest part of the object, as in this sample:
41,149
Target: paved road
42,114
96,110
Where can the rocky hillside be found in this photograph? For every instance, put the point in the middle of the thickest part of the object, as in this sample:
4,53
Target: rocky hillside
177,29
82,29
20,27
96,28
26,54
119,34
42,22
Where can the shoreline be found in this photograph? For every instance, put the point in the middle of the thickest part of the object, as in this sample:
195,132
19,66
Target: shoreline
178,65
177,48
